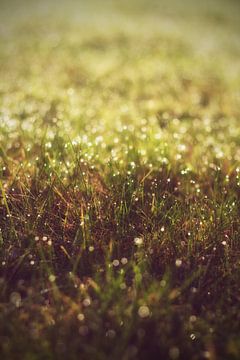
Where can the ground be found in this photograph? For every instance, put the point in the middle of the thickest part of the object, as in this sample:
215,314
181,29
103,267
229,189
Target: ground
119,179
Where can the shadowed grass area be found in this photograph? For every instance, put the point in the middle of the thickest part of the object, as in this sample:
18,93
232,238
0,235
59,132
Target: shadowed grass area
119,180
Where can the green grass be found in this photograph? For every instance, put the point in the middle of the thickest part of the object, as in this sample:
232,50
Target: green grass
119,180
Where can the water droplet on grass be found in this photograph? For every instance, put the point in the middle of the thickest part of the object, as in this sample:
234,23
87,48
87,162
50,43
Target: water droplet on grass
138,241
111,333
143,311
178,262
116,262
81,317
52,278
124,261
192,336
87,302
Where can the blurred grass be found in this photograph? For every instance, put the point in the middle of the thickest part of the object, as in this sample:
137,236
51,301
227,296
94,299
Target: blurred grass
119,173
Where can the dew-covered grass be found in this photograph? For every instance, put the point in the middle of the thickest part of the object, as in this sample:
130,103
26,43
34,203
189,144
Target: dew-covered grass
119,179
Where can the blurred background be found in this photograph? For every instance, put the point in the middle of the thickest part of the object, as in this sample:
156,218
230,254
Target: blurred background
95,65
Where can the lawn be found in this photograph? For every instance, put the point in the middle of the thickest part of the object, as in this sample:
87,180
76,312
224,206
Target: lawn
119,180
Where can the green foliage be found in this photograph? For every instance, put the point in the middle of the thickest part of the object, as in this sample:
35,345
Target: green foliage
119,180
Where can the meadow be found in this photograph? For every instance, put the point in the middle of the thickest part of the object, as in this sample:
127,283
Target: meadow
119,179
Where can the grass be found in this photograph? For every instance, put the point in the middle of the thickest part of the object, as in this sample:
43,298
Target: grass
119,180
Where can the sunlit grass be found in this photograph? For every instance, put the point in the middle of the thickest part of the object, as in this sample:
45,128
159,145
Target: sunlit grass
119,180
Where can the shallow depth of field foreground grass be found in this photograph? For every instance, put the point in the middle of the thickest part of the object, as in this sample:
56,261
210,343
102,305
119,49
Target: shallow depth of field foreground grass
119,179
